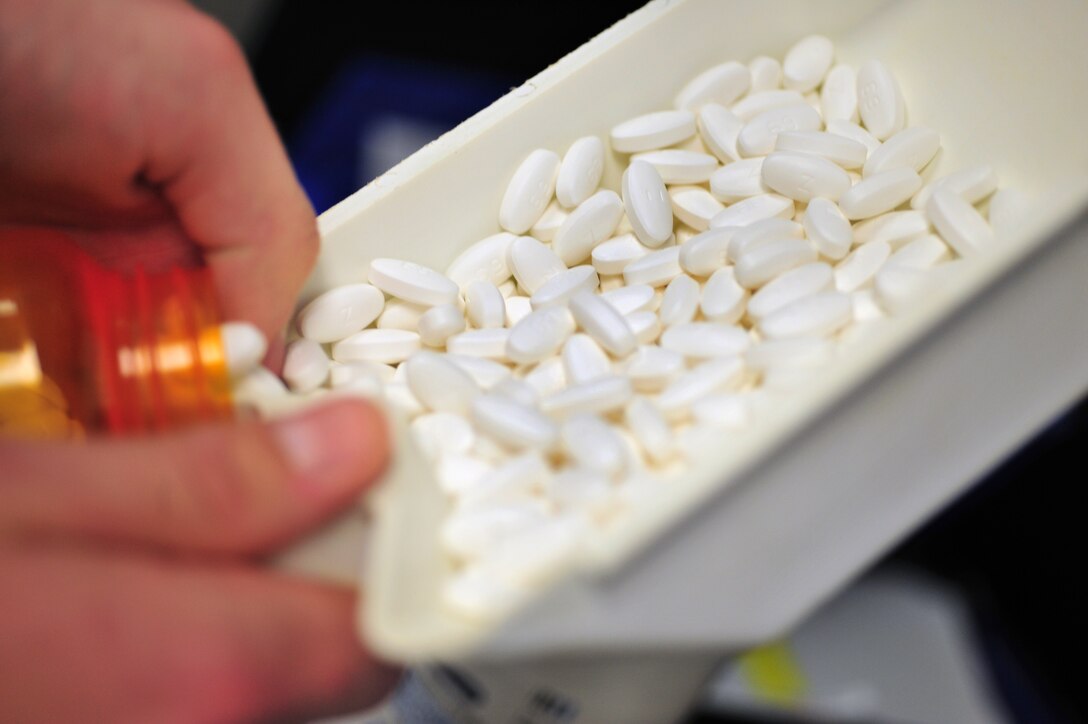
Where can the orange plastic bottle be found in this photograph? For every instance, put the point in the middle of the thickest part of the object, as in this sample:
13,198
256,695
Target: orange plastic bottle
85,348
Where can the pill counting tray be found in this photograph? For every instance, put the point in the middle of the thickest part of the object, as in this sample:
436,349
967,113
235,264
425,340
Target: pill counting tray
770,522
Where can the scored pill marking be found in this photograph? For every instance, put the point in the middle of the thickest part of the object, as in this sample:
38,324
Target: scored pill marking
580,171
529,192
339,312
880,102
412,282
647,204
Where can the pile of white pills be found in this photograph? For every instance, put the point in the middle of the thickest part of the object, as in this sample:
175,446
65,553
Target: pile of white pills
560,371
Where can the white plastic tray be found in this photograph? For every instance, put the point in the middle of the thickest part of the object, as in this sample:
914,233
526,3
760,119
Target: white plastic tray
774,521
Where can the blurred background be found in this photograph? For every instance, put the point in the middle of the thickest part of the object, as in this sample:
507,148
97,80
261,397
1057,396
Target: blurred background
986,602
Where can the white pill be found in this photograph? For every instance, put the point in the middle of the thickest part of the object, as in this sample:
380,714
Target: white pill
723,299
484,305
594,445
611,256
634,298
880,102
584,360
738,180
653,130
601,395
958,222
514,480
508,288
894,228
560,288
858,269
754,104
442,433
532,263
477,594
898,287
580,171
722,84
680,302
694,206
841,150
486,260
532,557
439,384
549,222
763,263
400,315
757,208
759,135
340,311
487,373
792,352
390,346
412,282
645,325
816,316
705,253
839,95
910,148
356,379
804,281
650,368
678,166
305,366
879,193
699,340
716,375
486,343
1008,210
529,192
517,390
650,429
647,204
766,74
726,410
581,490
439,323
973,184
513,424
827,228
803,177
257,387
591,223
244,346
656,268
922,252
603,323
539,335
547,377
853,132
517,309
807,62
772,229
719,128
474,531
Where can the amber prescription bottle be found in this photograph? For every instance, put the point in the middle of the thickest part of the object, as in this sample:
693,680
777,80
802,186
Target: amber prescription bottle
85,348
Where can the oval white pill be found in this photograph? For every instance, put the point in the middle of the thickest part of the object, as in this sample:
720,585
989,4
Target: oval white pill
484,305
958,222
559,289
547,377
716,375
910,148
803,177
680,302
761,232
922,252
513,424
839,95
804,281
440,385
807,62
754,104
439,323
474,531
412,282
827,228
723,299
647,204
391,346
529,192
697,340
738,180
759,135
587,226
766,73
517,309
656,268
973,184
487,373
488,343
594,445
650,367
724,410
719,128
678,166
400,315
580,171
754,209
815,316
603,323
653,130
584,360
601,395
707,252
611,256
858,269
898,286
879,193
791,352
650,429
340,311
645,325
763,263
854,132
539,335
442,433
895,228
517,390
532,263
549,222
843,151
694,206
244,346
305,365
486,259
880,102
629,299
723,84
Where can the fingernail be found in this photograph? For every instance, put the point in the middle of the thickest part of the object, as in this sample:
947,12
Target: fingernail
334,448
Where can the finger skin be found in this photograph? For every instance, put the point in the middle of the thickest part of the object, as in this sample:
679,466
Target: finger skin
92,636
245,488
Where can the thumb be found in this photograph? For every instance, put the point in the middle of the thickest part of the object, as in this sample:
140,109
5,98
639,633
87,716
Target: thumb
242,488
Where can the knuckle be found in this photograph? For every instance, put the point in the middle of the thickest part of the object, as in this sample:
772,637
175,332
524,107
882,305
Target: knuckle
209,42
